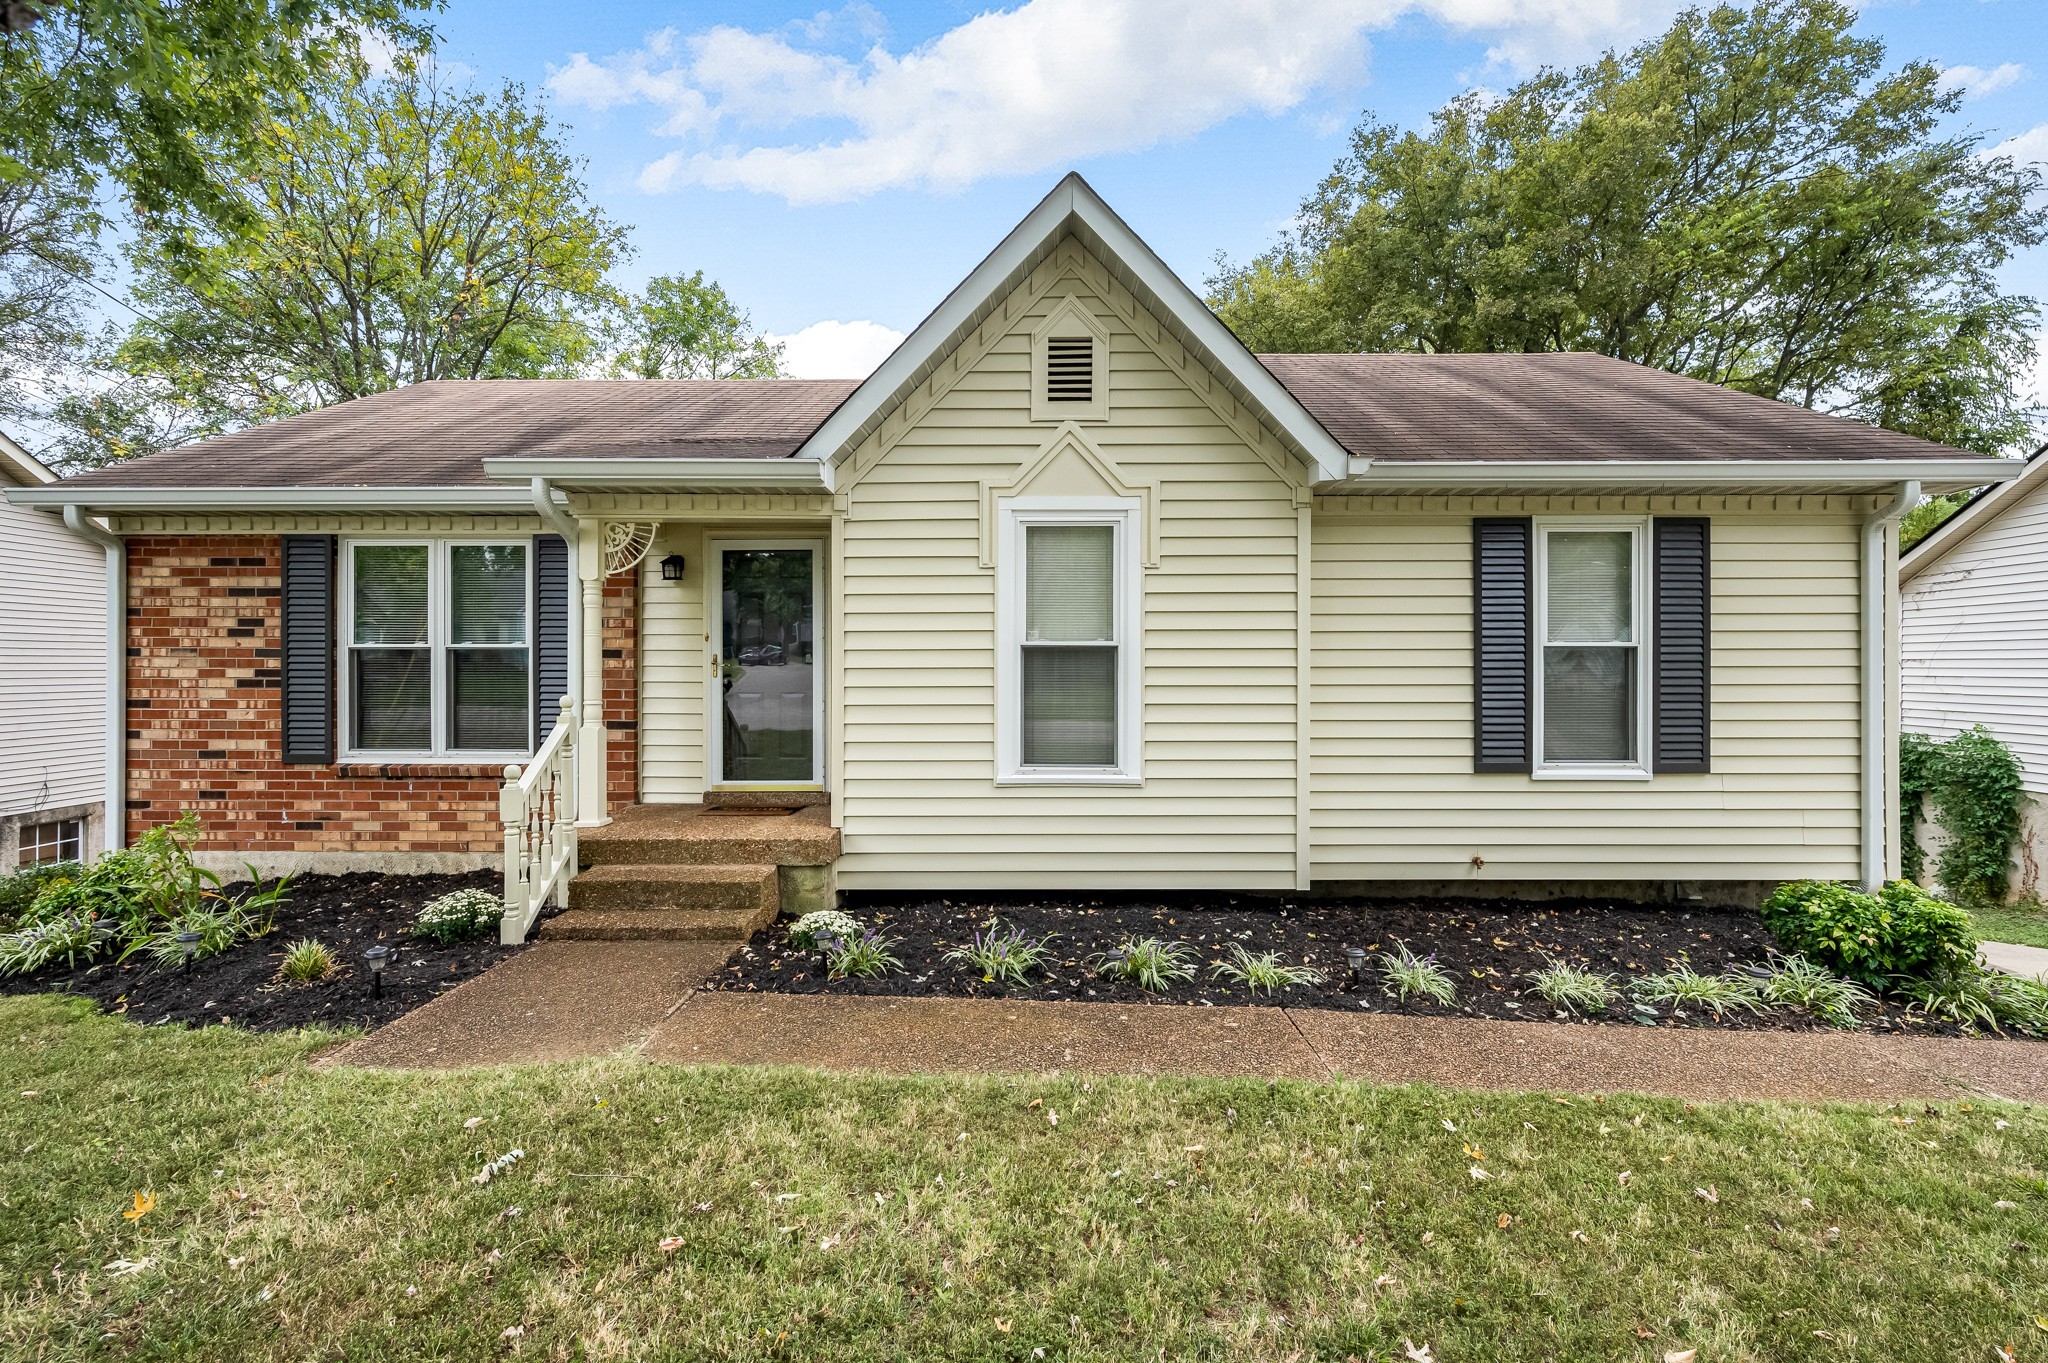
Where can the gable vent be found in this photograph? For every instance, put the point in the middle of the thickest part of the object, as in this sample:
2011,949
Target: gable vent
1070,369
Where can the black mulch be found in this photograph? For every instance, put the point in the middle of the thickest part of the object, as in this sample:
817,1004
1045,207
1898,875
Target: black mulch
240,985
1489,946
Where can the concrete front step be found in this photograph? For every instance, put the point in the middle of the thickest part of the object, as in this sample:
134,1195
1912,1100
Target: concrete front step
691,835
652,925
639,888
765,799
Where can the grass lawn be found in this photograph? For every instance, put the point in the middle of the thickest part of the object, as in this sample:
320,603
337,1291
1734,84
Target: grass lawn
2028,927
305,1213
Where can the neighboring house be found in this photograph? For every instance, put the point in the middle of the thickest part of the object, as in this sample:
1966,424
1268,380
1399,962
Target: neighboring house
1973,636
53,672
1072,592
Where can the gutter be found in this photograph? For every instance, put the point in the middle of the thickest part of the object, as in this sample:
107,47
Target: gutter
114,822
796,474
1877,656
500,499
1935,474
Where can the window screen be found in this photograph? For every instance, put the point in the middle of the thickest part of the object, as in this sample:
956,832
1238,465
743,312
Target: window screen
1589,669
1069,668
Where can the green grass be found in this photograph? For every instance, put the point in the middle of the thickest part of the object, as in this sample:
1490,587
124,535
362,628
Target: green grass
325,1213
2027,927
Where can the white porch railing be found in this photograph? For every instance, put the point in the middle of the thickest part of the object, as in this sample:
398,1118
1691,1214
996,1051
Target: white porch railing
539,810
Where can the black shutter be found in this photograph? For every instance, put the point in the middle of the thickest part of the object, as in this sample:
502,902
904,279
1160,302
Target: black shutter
1682,635
307,597
550,631
1503,616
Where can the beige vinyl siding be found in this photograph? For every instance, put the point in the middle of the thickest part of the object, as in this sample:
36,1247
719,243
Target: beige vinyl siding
673,669
1974,637
918,799
1394,794
53,652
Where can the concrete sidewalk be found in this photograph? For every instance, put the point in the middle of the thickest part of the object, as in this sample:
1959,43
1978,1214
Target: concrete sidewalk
2015,959
566,1000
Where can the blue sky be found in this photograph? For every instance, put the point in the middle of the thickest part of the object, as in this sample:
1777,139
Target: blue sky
839,170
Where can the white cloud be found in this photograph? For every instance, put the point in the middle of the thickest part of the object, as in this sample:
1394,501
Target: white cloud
837,350
2029,147
1025,89
1976,82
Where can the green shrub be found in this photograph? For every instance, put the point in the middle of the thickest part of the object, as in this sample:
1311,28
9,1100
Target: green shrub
1899,932
1262,970
1408,975
1796,982
1972,786
1572,989
1001,957
308,960
67,937
459,916
220,925
861,957
1720,993
2023,1004
18,891
1146,962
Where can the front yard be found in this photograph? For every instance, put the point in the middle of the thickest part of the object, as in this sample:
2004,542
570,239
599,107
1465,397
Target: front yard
663,1211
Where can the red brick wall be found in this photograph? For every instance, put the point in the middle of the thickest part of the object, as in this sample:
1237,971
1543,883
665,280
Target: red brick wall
622,688
204,721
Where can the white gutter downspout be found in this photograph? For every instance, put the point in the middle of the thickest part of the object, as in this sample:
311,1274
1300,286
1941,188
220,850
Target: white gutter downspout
1878,816
114,822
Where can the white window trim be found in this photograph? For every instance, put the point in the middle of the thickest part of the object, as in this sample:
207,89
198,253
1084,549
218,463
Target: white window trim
438,611
1640,590
68,831
1013,515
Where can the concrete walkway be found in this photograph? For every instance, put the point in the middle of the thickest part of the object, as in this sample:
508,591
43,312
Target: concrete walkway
2014,959
565,1000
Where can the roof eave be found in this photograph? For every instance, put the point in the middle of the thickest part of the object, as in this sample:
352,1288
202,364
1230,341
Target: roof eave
1934,474
797,474
1988,506
490,500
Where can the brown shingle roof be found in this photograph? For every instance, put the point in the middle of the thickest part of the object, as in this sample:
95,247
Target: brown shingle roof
1390,408
438,434
1561,407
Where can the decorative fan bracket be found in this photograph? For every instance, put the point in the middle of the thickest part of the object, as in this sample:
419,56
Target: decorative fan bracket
626,544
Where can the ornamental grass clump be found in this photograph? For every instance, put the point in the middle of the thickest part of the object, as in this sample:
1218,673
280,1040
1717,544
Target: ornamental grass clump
459,916
1718,993
1967,997
1899,932
867,956
1003,957
1146,962
1795,982
220,925
806,931
1409,975
70,938
1262,971
1569,989
308,960
2022,1004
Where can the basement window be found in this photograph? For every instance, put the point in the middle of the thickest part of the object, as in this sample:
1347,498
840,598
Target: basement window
45,844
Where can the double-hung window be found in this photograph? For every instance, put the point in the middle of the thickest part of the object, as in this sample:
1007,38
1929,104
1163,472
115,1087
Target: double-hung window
1591,664
439,658
1068,666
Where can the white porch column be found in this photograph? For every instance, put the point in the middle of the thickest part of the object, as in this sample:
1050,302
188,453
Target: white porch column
591,805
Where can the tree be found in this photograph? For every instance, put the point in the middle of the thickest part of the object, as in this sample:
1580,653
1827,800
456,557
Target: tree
1750,199
48,252
165,96
685,327
404,231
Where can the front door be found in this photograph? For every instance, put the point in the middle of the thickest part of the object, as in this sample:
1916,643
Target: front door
765,663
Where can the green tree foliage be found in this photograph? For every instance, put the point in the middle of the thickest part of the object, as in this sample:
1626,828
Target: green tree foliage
405,231
166,96
685,327
1750,199
1972,786
1926,518
48,252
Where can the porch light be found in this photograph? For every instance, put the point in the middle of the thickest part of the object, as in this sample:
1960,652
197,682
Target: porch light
672,568
1355,958
376,957
188,947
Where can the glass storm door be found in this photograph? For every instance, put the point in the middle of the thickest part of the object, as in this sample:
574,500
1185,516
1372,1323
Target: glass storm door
765,663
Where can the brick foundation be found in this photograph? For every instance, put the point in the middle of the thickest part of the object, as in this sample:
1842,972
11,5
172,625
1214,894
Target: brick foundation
204,719
622,689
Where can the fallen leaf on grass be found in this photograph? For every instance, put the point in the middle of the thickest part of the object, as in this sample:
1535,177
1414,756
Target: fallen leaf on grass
1479,1173
513,1332
1680,1355
1645,1332
702,1206
144,1204
472,1124
2005,1353
1706,1194
2005,1206
1452,1126
121,1268
2000,1124
1474,1152
1623,1177
671,1243
1580,1235
1417,1353
1503,1221
1002,1324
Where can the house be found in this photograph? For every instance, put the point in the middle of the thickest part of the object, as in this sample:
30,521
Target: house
53,675
1973,636
1073,592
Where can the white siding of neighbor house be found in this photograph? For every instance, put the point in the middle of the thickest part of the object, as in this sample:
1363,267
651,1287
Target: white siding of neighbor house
53,659
1395,797
918,802
1973,632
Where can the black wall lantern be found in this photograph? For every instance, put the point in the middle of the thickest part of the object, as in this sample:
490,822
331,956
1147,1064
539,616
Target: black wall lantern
672,568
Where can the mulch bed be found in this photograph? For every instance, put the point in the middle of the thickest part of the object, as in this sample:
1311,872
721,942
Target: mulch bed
240,985
1489,946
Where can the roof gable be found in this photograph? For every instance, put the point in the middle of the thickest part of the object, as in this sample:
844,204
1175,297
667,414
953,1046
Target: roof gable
1987,506
1073,208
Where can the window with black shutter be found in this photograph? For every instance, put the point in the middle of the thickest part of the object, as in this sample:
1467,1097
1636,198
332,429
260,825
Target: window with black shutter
1501,613
307,668
1683,629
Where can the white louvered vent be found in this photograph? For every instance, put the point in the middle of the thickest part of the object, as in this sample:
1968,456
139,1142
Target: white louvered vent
1070,369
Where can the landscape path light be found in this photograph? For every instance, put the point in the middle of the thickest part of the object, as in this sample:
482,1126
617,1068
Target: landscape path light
188,947
377,957
1355,958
